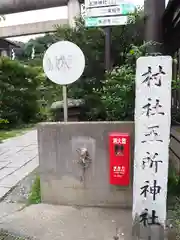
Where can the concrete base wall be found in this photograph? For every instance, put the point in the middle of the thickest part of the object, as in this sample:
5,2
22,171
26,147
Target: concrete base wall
61,175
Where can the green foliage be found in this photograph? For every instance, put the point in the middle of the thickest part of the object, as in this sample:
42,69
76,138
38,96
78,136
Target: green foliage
3,123
44,114
176,219
6,133
35,194
173,182
93,80
118,94
48,91
18,95
176,84
91,41
40,44
95,87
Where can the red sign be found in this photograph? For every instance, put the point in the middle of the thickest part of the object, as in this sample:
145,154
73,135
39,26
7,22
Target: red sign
119,150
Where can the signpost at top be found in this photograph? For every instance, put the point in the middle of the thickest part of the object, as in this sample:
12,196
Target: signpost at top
106,13
105,3
114,10
106,21
109,11
63,64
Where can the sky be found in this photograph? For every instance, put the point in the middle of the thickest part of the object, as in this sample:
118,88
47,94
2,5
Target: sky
38,16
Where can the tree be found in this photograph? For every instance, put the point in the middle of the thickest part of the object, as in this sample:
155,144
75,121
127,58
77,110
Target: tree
91,41
117,94
18,94
40,44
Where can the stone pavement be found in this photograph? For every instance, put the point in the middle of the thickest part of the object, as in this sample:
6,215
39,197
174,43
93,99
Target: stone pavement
44,222
18,158
9,208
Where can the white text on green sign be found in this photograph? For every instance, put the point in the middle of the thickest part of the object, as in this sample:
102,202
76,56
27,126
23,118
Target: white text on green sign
106,21
104,3
109,11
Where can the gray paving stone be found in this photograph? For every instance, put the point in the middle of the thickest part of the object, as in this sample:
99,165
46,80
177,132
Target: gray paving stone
31,147
5,159
5,172
10,152
45,222
21,159
3,151
4,155
21,173
18,158
3,191
9,208
4,164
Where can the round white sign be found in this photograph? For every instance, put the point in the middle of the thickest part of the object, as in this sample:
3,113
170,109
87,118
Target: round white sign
63,62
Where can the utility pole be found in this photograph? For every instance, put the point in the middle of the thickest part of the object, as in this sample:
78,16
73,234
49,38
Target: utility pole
107,31
154,10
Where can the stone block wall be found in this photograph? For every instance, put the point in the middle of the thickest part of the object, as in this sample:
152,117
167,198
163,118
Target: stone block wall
62,178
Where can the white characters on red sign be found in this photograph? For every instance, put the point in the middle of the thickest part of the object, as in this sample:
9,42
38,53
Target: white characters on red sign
119,140
119,170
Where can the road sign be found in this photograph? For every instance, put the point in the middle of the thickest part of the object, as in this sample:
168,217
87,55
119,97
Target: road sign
114,10
104,3
121,9
106,21
63,62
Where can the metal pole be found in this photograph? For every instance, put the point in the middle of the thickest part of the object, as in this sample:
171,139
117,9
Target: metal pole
107,48
65,105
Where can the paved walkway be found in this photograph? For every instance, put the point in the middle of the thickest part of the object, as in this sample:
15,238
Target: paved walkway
44,222
18,158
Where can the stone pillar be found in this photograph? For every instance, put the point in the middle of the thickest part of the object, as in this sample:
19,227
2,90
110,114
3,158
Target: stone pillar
73,11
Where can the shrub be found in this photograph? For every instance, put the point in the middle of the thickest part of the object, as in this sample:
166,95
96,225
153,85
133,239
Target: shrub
173,182
18,95
176,219
35,194
118,94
